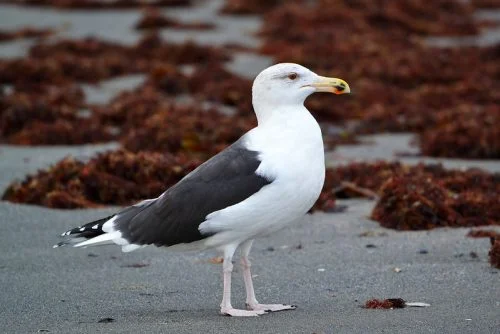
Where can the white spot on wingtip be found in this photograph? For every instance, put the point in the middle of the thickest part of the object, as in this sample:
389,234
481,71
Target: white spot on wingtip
95,227
82,229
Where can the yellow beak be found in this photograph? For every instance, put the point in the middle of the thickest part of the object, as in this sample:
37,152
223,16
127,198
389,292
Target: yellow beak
331,85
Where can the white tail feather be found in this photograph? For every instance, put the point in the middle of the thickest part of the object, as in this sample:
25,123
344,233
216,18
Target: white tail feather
105,238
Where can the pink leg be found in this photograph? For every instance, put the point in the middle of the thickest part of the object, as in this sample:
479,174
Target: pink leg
251,301
225,307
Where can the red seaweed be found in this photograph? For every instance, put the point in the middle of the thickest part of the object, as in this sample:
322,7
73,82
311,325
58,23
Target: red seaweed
153,19
419,197
494,253
98,4
27,32
117,177
385,303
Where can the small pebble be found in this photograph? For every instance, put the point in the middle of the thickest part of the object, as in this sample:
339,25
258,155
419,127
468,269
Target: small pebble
106,320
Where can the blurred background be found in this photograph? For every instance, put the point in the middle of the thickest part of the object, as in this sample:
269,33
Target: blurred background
159,86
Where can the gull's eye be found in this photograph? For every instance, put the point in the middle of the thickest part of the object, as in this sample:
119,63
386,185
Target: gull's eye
292,76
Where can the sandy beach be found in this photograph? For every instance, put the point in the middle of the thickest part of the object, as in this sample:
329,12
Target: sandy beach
328,265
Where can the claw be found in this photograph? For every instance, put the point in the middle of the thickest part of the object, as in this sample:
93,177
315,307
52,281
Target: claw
242,313
271,307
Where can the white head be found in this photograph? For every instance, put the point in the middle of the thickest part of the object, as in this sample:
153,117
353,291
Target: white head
290,84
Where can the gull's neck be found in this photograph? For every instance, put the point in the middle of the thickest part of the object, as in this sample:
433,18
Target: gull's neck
267,111
279,114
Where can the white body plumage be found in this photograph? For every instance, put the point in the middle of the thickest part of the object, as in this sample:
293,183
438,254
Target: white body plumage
290,147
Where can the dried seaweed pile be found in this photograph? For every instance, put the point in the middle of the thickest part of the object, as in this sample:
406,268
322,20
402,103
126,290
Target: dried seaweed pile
243,7
118,178
494,253
472,131
176,128
154,19
91,60
98,4
475,233
423,196
50,115
486,4
146,118
47,106
151,120
208,82
401,83
28,32
494,236
385,303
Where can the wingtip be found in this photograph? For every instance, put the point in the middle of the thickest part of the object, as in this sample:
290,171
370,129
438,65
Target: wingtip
60,244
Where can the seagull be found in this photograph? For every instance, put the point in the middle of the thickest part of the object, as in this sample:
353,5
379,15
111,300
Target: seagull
269,178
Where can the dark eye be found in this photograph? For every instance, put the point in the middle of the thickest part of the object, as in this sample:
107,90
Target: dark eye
292,76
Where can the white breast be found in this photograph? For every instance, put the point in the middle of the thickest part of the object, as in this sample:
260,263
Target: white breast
292,155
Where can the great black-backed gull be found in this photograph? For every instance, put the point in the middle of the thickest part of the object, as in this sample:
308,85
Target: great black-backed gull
266,180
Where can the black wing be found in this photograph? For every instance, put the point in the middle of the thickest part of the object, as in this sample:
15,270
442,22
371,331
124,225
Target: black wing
224,180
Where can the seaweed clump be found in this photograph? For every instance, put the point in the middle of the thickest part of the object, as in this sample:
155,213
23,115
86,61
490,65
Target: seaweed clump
150,119
494,236
483,234
48,116
98,4
154,19
242,7
468,130
92,60
418,203
389,303
26,32
52,114
494,253
173,128
47,106
489,4
119,178
420,197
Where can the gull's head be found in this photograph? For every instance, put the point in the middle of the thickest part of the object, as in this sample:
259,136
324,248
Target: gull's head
290,84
